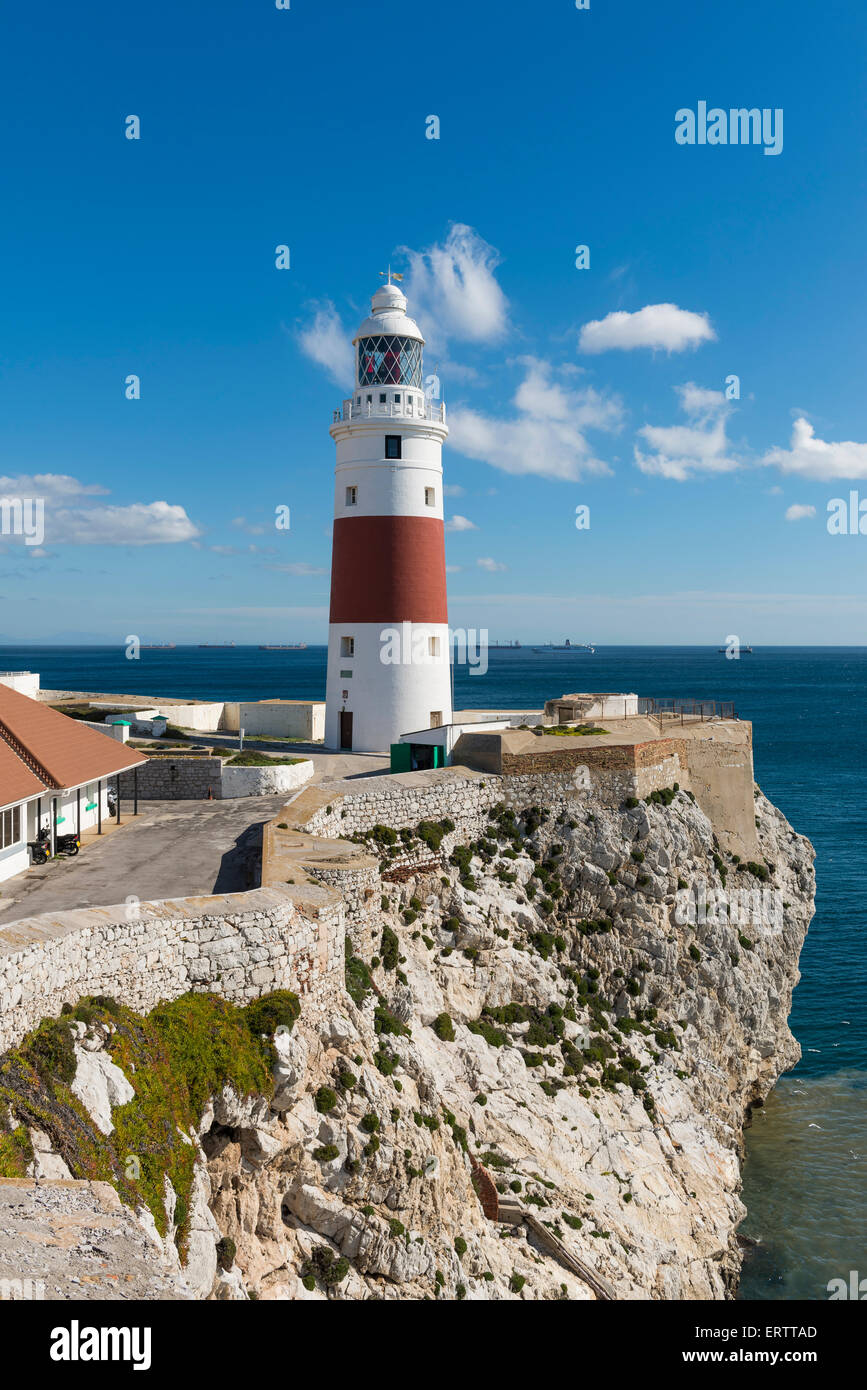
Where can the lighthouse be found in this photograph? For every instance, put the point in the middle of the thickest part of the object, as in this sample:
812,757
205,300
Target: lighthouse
388,638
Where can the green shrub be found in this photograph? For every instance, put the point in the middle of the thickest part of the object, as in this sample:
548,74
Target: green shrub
325,1100
225,1253
326,1153
444,1028
390,948
460,1247
278,1010
370,1123
325,1266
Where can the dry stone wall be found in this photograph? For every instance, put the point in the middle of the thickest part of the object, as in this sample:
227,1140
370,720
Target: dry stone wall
238,945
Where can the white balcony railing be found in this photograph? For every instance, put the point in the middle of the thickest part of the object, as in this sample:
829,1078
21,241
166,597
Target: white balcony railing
391,410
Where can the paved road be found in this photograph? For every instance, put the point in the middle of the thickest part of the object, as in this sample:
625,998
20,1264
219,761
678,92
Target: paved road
173,849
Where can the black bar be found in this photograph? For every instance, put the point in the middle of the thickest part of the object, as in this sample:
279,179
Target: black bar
99,807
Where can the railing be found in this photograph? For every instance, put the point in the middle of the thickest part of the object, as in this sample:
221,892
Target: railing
432,410
686,711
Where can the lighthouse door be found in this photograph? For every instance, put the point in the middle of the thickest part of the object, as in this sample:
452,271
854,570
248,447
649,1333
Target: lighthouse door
345,728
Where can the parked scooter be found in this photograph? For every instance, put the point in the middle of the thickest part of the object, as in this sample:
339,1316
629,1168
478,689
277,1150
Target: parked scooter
63,844
111,798
40,852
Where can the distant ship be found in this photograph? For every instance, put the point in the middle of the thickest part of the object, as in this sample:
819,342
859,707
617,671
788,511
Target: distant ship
567,646
157,647
215,644
508,646
283,647
744,651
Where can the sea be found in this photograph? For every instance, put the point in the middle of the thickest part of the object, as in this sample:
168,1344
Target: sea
805,1173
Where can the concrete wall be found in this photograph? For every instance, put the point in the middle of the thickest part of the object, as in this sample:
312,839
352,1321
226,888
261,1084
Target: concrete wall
119,732
238,945
264,781
302,719
25,682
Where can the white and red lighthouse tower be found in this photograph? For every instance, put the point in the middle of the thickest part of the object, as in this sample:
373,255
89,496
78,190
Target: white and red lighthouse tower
388,640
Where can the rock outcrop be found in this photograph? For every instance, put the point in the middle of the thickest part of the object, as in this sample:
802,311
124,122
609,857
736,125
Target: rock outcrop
536,1022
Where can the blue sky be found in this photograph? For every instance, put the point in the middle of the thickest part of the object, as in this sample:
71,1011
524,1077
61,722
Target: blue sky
307,127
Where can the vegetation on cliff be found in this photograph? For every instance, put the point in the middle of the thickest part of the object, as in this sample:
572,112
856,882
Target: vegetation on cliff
176,1058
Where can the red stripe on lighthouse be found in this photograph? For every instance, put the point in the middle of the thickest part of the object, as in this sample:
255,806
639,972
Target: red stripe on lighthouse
388,569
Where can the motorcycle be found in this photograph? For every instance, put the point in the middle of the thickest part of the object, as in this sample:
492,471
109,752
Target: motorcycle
111,798
40,852
63,844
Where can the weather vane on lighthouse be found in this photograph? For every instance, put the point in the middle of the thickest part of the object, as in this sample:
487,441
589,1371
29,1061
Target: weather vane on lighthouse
392,274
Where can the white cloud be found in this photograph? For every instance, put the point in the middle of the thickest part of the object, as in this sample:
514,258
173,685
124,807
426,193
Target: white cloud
453,291
461,523
453,569
250,527
655,326
679,451
140,523
797,512
547,436
486,563
328,343
453,490
299,567
54,486
810,457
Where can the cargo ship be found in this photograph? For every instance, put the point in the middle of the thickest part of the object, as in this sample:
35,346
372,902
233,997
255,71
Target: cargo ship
283,647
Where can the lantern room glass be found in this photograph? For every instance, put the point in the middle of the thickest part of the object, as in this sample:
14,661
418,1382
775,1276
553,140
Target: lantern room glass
388,360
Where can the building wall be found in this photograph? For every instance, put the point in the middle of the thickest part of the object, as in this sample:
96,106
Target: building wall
238,945
385,700
277,718
25,682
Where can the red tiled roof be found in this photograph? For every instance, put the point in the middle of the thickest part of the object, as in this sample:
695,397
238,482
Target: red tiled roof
17,782
52,751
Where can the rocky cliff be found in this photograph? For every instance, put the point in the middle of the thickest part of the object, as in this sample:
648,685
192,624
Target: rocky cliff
535,1030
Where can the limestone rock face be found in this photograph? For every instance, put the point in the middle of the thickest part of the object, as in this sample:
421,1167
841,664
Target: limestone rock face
99,1084
610,1102
581,1005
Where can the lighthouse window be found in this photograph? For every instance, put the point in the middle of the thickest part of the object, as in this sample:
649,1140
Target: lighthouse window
388,360
430,497
347,646
433,646
351,496
397,398
392,446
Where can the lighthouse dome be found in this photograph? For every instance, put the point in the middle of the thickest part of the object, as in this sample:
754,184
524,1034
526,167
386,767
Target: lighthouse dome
388,315
389,343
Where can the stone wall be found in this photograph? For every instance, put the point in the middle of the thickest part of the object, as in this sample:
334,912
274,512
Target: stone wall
237,945
175,779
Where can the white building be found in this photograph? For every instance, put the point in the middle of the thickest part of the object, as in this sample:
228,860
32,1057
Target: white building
54,776
388,642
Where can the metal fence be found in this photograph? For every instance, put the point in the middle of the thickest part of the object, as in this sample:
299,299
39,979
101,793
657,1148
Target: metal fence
677,710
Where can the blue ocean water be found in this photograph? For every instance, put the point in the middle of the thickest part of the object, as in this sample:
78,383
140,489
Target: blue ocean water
805,1169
